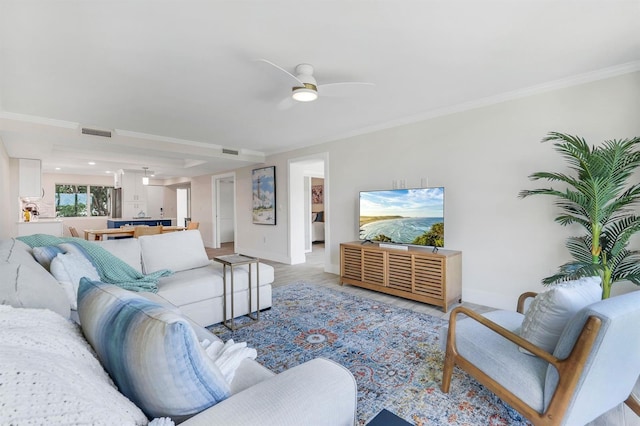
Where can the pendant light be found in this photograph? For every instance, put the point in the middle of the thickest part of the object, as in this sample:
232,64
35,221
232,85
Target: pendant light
145,178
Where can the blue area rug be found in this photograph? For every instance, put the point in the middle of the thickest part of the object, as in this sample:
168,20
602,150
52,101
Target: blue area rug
392,352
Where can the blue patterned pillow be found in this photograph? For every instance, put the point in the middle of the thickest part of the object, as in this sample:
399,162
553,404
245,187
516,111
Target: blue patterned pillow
151,353
44,255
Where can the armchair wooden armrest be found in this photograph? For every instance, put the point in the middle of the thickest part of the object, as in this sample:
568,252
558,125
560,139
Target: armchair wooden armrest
523,299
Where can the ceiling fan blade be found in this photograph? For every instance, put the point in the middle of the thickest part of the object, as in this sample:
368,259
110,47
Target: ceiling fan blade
345,89
295,79
286,103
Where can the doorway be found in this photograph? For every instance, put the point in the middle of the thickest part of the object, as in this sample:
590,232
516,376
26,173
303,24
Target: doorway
306,218
183,205
224,209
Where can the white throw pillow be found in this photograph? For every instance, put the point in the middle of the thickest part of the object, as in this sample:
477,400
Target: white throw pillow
550,311
68,269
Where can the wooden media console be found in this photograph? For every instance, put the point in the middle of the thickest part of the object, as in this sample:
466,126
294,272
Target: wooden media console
416,273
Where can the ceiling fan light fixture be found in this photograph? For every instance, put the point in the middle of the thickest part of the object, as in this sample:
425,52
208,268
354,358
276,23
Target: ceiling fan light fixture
306,93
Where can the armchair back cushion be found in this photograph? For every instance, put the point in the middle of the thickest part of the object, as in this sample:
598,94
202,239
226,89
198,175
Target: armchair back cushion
176,251
612,368
151,352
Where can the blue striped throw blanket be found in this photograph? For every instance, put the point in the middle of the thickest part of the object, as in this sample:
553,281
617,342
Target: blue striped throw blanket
111,269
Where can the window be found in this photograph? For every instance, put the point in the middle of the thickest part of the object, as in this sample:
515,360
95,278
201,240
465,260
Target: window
71,200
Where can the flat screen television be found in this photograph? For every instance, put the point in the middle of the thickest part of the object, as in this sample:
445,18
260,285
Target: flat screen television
403,216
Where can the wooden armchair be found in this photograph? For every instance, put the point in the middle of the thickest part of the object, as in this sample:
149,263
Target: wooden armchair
146,230
593,368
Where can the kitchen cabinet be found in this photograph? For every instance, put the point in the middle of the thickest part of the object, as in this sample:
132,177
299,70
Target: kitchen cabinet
132,188
29,178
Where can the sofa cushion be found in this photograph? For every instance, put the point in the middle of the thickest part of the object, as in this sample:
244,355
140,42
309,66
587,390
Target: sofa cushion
28,285
68,269
15,251
126,249
551,310
151,352
45,255
50,374
204,283
177,251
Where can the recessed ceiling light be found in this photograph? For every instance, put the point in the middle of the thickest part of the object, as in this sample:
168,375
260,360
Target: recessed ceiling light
57,168
108,171
92,163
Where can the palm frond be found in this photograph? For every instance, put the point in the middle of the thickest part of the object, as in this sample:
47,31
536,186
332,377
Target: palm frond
598,197
620,232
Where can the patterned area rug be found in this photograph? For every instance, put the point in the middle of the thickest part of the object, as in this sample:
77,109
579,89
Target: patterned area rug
393,353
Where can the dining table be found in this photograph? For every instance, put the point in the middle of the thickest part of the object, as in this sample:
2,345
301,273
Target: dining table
127,231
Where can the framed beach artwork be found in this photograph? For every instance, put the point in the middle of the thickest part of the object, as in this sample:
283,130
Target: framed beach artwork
263,184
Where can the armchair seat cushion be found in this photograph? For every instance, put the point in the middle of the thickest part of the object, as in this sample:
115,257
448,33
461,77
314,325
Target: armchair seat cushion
479,345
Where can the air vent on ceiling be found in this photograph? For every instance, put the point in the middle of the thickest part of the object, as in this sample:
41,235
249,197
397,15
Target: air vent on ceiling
96,132
230,151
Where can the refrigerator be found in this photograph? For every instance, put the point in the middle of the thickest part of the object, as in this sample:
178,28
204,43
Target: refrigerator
116,203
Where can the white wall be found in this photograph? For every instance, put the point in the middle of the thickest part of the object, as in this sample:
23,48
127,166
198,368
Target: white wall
482,157
7,222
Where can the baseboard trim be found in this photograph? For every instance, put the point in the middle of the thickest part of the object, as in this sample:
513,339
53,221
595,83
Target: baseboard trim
267,255
493,300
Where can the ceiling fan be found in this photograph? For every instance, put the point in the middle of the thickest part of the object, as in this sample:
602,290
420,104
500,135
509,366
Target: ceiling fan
306,89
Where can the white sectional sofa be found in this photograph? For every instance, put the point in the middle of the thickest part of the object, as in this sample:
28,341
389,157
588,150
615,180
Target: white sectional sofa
53,375
196,285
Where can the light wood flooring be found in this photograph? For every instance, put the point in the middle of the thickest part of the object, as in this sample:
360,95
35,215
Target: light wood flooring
313,272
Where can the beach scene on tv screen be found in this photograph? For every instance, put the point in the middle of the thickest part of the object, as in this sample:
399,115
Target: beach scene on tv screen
405,216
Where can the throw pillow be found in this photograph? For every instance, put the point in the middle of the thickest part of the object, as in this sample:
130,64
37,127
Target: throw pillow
151,352
551,310
44,255
50,375
68,269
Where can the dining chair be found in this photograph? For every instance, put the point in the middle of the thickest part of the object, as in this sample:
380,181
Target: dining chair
74,232
146,230
193,225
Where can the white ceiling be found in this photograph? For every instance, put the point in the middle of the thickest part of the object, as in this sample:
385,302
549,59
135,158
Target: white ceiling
177,80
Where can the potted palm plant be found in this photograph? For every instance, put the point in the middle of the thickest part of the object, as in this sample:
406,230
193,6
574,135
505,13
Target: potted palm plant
599,197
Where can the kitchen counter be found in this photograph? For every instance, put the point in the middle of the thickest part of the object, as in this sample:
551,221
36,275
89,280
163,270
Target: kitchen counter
150,221
41,226
134,219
